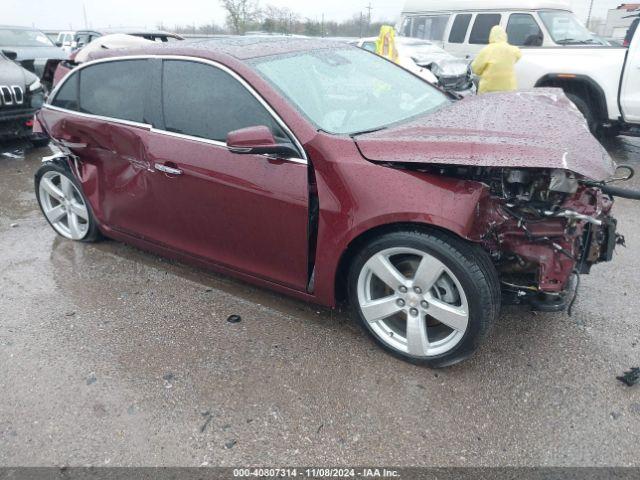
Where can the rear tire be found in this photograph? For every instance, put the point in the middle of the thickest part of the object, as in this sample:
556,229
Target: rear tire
64,205
426,297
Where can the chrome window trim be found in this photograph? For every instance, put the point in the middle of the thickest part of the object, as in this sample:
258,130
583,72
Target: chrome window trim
129,123
304,160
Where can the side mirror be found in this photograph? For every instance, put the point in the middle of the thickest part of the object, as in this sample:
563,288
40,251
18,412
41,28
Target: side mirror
58,44
11,55
258,140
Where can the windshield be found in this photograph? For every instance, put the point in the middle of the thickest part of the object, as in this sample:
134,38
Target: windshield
23,38
565,29
349,91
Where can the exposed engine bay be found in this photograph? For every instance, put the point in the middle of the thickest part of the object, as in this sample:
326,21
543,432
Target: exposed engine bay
542,229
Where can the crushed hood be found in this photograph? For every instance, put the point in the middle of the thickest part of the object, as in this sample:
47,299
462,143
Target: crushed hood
532,129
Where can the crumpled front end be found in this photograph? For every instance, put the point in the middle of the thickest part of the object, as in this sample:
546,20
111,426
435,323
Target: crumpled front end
542,228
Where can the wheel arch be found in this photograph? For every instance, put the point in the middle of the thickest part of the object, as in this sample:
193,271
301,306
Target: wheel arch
582,86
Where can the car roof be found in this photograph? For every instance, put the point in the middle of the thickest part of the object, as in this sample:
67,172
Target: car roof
240,48
129,31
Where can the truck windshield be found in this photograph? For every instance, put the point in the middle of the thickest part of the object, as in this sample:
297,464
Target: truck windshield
18,37
565,29
350,91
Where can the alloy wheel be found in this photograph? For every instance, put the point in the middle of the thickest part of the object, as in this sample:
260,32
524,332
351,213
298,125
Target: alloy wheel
413,302
63,205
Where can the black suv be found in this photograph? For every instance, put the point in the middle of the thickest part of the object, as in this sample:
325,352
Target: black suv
21,96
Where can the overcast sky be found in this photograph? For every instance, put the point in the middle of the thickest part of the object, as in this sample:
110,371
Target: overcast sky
66,14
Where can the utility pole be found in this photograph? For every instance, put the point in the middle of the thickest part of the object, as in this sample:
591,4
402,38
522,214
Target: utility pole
590,11
322,26
84,14
361,19
369,8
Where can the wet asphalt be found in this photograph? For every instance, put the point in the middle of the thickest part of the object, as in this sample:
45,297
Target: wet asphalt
113,356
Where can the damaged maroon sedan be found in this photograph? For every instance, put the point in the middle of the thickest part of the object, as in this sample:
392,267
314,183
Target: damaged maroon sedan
328,173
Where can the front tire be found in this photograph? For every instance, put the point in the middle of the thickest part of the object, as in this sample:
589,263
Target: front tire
428,298
64,205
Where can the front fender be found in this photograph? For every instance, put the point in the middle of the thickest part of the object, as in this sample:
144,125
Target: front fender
367,196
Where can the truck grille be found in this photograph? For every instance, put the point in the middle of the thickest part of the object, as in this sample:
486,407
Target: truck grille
455,83
11,96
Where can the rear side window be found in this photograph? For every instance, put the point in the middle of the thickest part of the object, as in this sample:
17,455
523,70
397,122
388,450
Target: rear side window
67,96
430,28
115,89
204,101
523,30
459,28
482,27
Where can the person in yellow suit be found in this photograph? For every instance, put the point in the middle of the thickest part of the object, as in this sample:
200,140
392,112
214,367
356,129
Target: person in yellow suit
495,64
386,43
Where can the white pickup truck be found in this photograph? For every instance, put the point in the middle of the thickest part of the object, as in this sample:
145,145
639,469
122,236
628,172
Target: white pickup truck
603,82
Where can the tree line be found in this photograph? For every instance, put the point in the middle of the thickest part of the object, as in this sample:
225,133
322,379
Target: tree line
247,16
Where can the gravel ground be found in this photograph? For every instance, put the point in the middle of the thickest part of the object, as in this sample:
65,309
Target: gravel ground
112,356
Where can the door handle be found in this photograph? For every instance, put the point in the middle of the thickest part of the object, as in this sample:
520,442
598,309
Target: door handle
168,170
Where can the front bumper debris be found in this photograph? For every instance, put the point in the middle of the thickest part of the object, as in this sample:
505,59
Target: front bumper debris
538,260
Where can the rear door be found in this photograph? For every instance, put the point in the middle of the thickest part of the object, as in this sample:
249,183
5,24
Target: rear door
630,90
100,114
245,212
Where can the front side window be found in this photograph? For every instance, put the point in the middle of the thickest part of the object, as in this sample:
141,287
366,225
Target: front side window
82,39
430,27
482,27
459,28
115,89
565,29
347,91
524,31
203,101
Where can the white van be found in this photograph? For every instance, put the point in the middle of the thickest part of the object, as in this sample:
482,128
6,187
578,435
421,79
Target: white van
462,27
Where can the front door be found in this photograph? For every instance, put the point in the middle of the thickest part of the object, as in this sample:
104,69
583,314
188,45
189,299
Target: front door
246,212
630,91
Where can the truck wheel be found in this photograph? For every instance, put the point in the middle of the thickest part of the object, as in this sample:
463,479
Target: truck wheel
39,140
586,110
428,298
64,205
